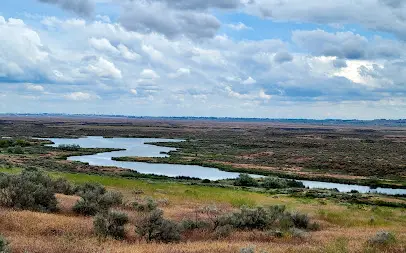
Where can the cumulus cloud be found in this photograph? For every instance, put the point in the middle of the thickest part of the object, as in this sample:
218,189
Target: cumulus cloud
157,17
127,53
81,7
103,45
33,87
180,72
249,81
80,96
202,4
134,91
381,15
22,54
282,57
341,44
149,74
104,69
239,26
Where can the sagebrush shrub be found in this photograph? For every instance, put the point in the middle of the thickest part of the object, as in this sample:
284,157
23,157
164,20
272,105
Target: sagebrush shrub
110,224
382,238
194,224
300,220
223,231
95,198
148,205
153,227
30,190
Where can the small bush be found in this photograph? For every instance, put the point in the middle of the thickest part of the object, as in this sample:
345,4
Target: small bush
223,231
298,233
110,224
249,249
153,227
194,224
245,180
300,220
96,199
62,186
111,198
148,205
86,207
382,238
30,190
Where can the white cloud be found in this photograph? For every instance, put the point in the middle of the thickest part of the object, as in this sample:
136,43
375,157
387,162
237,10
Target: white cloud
80,96
263,95
33,87
134,91
249,81
239,26
149,74
127,54
103,44
180,72
104,69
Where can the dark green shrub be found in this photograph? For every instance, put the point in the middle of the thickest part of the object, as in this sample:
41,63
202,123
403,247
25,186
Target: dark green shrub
67,147
194,224
300,220
30,190
256,218
111,198
295,184
274,183
110,224
95,199
95,188
62,186
86,207
245,180
153,227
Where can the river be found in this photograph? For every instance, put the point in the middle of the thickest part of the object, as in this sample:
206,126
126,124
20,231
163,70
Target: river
137,147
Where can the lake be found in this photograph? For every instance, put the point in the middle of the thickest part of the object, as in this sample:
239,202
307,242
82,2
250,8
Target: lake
137,147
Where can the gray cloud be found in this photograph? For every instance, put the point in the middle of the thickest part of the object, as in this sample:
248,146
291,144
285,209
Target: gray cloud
381,15
157,17
393,3
339,63
282,57
202,4
81,7
343,44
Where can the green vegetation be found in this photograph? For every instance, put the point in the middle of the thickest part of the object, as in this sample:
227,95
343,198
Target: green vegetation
71,147
154,227
30,190
95,199
110,224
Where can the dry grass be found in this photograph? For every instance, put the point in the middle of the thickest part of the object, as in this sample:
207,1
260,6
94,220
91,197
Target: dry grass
64,232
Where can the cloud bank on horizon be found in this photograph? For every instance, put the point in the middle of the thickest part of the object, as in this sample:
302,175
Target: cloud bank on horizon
239,58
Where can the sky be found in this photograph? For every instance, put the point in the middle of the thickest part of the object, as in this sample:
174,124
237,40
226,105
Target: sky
232,58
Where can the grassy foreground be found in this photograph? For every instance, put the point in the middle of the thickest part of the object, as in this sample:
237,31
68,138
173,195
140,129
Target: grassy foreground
344,227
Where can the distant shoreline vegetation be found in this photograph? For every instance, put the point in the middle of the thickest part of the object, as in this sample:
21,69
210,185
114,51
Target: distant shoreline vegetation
326,122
